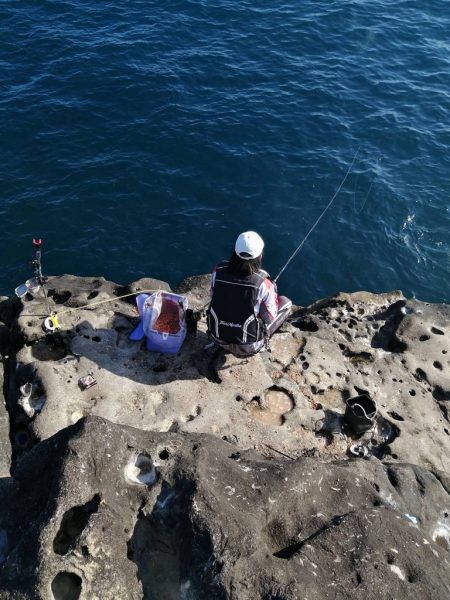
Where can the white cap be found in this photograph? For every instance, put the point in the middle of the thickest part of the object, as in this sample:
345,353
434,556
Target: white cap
249,245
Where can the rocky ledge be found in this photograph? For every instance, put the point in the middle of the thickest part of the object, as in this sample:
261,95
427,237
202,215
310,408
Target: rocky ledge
185,476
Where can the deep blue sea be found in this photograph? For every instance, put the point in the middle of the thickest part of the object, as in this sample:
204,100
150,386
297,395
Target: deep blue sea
139,138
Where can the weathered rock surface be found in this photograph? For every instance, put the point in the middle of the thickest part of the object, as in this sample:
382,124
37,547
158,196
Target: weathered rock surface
394,350
256,519
290,400
5,445
217,523
6,349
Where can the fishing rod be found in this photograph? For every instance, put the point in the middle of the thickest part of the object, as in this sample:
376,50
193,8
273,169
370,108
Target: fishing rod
300,246
51,321
33,286
37,243
37,282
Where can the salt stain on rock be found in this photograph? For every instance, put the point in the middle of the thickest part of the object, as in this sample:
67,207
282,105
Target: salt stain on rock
76,416
441,535
411,518
388,499
398,572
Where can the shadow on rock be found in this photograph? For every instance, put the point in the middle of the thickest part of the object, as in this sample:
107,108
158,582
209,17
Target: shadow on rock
172,559
386,338
332,422
110,349
33,499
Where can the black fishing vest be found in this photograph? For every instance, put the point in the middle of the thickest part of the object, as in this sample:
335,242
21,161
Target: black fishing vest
231,315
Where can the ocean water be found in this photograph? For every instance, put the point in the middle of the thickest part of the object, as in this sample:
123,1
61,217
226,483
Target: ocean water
140,138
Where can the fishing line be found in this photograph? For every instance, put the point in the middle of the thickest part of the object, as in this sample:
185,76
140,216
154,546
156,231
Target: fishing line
98,303
51,323
358,212
53,316
299,247
92,304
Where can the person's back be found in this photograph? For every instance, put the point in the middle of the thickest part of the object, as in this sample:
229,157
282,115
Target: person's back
232,318
245,308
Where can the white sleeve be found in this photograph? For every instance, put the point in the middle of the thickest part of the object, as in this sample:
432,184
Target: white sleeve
267,301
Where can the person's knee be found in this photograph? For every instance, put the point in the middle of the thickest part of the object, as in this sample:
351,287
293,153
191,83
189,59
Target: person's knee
284,303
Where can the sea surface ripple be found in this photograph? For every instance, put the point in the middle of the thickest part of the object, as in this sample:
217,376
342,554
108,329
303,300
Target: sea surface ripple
140,137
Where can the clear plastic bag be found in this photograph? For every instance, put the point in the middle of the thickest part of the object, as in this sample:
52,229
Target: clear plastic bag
163,321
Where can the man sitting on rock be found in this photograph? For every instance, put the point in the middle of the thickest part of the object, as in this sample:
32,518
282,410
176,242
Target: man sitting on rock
245,308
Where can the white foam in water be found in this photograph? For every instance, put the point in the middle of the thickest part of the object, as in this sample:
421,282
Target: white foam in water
411,238
409,219
140,470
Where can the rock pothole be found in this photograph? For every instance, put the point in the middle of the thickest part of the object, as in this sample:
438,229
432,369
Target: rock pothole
73,523
66,586
52,347
437,331
60,297
440,394
140,470
271,408
306,325
395,415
